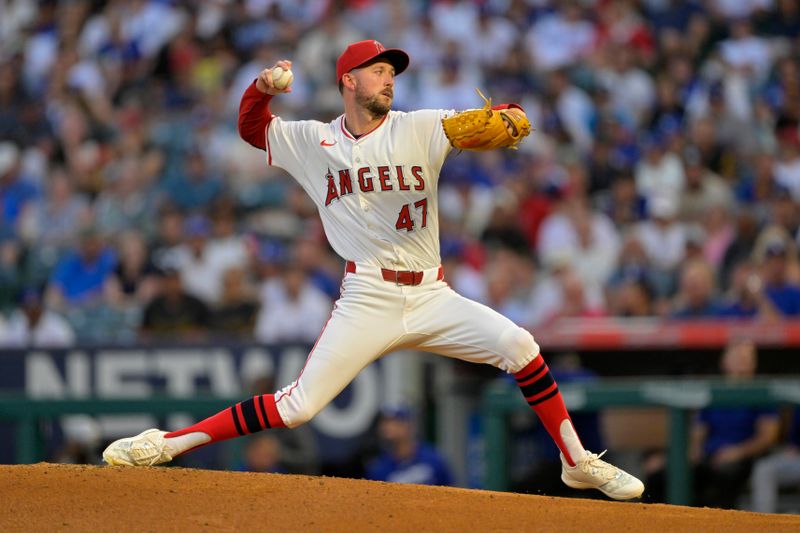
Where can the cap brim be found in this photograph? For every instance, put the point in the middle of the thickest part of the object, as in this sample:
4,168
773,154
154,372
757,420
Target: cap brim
398,59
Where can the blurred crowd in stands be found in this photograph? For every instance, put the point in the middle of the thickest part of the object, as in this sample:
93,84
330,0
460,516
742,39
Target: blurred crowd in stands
662,180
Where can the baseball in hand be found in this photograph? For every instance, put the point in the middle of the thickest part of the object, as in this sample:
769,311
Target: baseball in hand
281,78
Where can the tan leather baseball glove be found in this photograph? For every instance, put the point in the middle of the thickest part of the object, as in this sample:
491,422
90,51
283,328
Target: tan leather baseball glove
487,128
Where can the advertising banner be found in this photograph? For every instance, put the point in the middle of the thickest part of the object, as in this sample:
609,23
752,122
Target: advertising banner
232,371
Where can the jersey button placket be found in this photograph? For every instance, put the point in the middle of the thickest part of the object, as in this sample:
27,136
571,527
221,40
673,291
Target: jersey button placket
356,154
357,159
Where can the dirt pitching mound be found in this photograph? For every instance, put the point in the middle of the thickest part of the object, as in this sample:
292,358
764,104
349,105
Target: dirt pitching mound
46,497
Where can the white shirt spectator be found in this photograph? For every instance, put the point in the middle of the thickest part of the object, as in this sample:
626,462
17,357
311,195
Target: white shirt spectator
306,14
285,319
94,34
422,43
316,55
244,77
713,191
450,89
749,52
787,173
594,261
632,92
211,17
15,17
374,18
202,275
149,24
736,9
41,51
665,242
472,208
230,251
51,331
576,111
86,77
492,41
548,298
319,49
467,281
152,25
660,175
555,42
456,20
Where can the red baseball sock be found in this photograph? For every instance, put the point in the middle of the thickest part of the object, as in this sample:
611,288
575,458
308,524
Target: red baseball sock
542,394
249,416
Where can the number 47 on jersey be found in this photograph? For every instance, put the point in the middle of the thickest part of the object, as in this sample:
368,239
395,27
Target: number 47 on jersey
404,220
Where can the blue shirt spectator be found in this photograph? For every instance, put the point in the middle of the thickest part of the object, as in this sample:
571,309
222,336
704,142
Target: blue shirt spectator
708,309
405,459
196,187
786,298
424,467
738,309
696,294
784,295
729,426
794,429
15,192
81,274
726,441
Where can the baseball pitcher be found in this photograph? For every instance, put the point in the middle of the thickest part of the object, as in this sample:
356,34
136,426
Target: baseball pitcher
373,174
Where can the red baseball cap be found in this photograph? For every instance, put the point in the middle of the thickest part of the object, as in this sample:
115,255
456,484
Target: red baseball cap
361,52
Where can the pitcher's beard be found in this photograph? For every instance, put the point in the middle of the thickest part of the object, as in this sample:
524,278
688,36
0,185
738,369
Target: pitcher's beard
374,105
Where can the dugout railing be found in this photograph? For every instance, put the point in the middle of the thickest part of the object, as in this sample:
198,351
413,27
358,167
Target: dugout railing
679,397
26,413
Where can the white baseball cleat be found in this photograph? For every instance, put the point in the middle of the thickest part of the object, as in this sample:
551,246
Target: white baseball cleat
590,472
148,448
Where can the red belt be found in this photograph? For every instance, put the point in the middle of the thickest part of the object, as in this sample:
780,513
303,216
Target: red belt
400,277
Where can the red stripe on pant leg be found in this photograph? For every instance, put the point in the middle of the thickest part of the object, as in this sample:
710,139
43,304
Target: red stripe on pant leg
273,415
221,426
532,367
297,381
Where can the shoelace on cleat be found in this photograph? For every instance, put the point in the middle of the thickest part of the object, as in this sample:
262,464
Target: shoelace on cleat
145,452
602,468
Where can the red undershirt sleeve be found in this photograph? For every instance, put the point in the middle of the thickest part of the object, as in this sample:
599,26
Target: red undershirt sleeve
507,106
254,116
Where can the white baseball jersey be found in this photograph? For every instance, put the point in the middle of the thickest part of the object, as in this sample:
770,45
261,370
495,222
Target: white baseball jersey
377,199
376,194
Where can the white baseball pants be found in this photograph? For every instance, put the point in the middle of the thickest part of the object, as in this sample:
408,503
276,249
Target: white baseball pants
374,317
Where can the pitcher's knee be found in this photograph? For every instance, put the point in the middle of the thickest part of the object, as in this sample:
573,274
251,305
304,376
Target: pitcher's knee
518,346
296,410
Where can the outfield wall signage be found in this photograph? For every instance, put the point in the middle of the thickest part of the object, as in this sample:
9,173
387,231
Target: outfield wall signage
181,372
